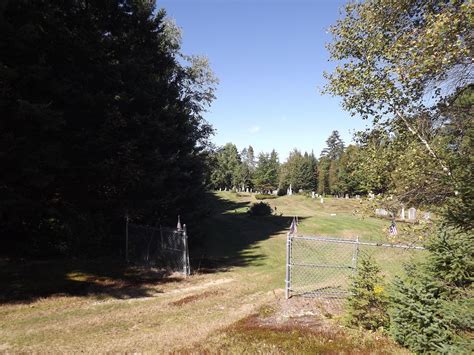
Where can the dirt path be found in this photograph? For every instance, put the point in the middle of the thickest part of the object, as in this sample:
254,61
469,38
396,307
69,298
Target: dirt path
178,315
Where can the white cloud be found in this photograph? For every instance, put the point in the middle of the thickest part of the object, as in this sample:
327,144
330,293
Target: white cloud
254,129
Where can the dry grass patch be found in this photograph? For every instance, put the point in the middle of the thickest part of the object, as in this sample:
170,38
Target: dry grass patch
295,326
194,298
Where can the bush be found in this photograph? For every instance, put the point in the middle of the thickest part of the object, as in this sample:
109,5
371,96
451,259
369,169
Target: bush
368,303
281,192
265,197
428,301
260,209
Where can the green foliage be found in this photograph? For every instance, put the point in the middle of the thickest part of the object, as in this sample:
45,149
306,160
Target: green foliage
428,302
334,147
367,305
323,172
264,196
100,115
227,170
407,64
267,172
299,171
458,148
390,53
260,209
349,176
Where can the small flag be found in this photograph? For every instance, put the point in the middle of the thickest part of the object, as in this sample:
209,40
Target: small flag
293,227
178,226
392,230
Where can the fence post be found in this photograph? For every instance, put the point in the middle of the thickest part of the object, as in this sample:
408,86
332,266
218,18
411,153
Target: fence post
126,238
187,269
288,266
355,256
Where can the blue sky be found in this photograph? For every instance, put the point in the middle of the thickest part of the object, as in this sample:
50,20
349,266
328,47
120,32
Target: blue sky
269,56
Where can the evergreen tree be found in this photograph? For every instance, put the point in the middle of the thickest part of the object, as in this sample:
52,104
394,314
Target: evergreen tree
334,147
323,176
349,176
299,171
428,302
228,172
367,305
248,158
99,116
267,172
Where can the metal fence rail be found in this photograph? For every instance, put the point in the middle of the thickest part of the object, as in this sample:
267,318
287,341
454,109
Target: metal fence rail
162,247
322,266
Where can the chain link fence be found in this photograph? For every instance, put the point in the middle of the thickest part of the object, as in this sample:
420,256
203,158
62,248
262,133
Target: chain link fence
161,247
322,266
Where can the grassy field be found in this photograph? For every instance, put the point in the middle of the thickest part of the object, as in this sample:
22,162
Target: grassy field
226,306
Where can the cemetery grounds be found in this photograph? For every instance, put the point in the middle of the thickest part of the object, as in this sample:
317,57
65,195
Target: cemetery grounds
234,301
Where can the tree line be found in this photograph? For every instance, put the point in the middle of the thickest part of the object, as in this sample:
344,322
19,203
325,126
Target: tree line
382,160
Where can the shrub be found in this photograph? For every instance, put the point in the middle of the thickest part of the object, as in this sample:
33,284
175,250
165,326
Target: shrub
260,209
265,197
428,301
281,192
368,303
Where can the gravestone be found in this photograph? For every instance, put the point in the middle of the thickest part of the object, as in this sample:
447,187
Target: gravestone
381,212
322,200
412,214
290,191
312,194
402,213
347,196
247,190
357,197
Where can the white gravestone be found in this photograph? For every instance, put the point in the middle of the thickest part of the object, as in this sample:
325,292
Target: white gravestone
322,200
402,213
412,214
312,194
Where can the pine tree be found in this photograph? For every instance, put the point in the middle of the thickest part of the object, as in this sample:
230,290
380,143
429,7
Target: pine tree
334,147
368,303
428,302
106,118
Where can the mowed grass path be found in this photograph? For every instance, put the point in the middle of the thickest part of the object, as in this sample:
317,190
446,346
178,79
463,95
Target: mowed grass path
241,267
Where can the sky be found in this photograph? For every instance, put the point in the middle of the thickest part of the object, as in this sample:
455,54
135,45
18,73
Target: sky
269,56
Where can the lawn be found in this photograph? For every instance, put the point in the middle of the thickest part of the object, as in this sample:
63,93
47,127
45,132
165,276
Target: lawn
102,305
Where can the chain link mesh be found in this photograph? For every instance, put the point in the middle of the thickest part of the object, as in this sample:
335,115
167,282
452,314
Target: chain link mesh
322,266
158,247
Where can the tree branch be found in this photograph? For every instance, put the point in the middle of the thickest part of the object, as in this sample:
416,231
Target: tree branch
413,131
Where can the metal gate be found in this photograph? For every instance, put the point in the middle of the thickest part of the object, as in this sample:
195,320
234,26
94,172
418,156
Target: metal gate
162,247
322,266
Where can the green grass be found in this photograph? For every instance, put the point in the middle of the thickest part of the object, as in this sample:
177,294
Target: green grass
100,306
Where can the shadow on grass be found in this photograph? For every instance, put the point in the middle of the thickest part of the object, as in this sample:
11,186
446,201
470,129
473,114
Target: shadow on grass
231,236
27,281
